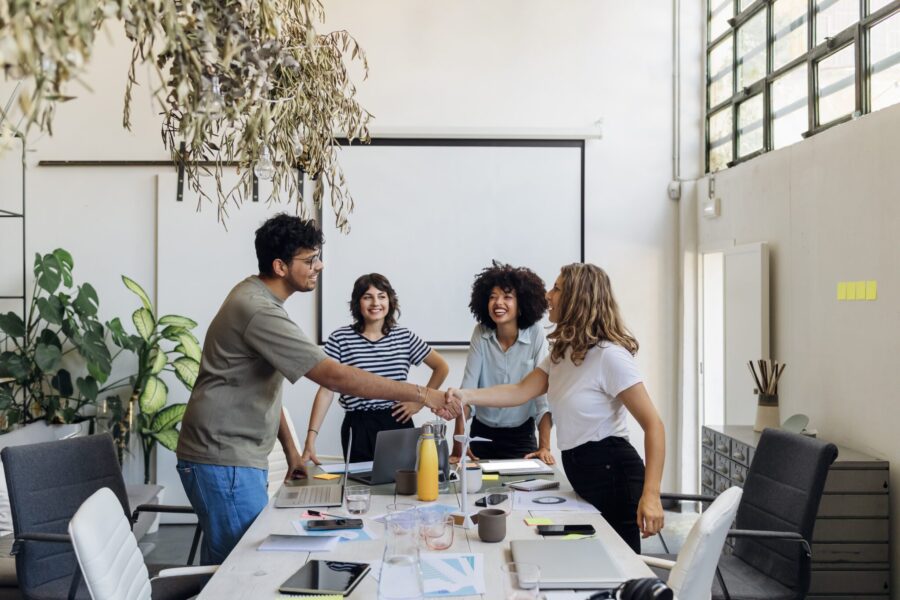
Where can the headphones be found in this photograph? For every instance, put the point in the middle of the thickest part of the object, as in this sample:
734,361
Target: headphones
647,588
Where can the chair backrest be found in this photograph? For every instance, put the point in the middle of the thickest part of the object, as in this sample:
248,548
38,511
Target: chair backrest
47,483
111,562
782,492
278,461
691,577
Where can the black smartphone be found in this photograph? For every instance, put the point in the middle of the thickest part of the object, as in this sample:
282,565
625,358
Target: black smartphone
491,500
330,524
585,529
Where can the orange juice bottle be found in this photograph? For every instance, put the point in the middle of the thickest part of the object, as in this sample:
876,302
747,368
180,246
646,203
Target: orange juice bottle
427,466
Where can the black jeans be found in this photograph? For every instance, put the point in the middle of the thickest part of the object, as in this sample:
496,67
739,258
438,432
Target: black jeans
366,424
610,475
506,442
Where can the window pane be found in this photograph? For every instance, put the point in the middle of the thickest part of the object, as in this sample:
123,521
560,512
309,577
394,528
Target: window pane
720,74
790,27
836,89
876,4
789,107
751,50
750,125
884,51
720,139
719,13
834,16
745,4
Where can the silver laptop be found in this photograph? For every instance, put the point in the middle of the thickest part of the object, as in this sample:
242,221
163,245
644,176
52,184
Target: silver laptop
394,449
570,564
313,496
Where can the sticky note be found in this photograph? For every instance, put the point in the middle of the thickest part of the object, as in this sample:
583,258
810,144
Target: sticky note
538,521
576,536
851,290
842,290
493,477
860,290
327,476
308,597
871,290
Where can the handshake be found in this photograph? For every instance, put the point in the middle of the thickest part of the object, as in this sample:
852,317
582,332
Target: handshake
447,406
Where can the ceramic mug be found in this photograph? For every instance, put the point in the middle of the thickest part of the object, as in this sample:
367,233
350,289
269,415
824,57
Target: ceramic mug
405,480
491,524
473,478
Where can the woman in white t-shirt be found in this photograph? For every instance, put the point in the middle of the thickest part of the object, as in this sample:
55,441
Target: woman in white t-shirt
591,380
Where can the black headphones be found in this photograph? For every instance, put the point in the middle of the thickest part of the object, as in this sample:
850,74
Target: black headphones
647,588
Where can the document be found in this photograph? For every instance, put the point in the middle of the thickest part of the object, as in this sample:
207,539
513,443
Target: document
445,575
357,467
551,501
298,543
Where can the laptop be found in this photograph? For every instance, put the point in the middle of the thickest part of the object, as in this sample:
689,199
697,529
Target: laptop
313,496
394,449
570,564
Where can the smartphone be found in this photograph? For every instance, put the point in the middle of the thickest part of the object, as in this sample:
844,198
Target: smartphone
330,524
586,529
327,577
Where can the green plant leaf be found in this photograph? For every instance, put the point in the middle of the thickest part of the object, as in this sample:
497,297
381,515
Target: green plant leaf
153,396
86,303
172,332
49,337
61,382
159,360
14,365
66,265
47,357
12,324
167,437
88,388
94,350
189,346
51,310
139,292
48,271
120,337
186,369
178,321
143,322
168,417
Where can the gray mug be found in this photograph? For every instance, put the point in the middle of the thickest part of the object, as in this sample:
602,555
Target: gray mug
491,524
405,480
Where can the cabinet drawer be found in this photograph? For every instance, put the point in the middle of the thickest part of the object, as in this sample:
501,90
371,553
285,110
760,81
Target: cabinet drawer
709,438
722,484
850,553
708,491
707,457
860,481
854,505
723,444
850,582
723,465
738,474
851,530
707,477
740,452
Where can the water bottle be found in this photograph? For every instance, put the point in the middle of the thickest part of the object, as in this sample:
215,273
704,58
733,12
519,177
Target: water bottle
401,576
427,465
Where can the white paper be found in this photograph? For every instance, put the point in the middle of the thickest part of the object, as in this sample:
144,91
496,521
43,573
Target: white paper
551,501
357,467
447,574
515,466
298,543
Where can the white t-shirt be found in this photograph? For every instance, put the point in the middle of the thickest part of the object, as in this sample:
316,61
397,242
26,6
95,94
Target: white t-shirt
583,398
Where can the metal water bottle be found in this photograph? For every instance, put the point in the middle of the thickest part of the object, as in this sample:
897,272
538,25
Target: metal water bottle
427,465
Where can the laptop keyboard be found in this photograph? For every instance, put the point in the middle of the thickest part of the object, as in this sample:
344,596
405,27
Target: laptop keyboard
313,495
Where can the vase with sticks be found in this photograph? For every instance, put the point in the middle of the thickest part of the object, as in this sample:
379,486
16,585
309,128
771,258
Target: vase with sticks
766,374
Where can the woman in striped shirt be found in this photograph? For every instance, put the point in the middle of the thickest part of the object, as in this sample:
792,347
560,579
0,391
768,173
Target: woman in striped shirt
376,343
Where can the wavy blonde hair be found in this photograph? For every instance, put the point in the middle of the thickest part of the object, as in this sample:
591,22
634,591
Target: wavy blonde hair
588,314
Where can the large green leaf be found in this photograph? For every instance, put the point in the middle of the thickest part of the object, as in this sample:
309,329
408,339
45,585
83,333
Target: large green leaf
168,417
139,292
189,346
86,303
88,388
47,357
12,324
159,360
62,381
120,337
143,322
51,310
66,264
50,337
168,438
172,332
178,321
93,348
48,271
153,396
14,365
186,369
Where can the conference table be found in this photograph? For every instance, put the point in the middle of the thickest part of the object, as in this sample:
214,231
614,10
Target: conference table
250,573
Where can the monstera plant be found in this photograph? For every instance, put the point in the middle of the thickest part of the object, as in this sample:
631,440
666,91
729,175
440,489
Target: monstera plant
162,344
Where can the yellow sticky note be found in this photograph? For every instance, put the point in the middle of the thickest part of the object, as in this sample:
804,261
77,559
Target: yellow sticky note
842,290
851,290
538,521
308,597
871,290
493,477
327,476
575,536
860,290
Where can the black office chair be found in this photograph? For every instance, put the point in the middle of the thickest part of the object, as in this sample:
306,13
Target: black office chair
774,525
47,484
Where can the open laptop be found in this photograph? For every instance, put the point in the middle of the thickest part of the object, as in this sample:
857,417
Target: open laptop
312,496
570,564
394,449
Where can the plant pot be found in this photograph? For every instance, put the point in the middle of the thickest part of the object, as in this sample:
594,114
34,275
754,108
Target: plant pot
767,413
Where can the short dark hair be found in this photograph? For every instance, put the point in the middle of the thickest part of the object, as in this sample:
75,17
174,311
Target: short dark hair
529,289
282,236
360,287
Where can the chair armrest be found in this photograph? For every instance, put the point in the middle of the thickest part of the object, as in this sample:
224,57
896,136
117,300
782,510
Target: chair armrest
687,497
789,536
161,508
181,571
61,538
659,563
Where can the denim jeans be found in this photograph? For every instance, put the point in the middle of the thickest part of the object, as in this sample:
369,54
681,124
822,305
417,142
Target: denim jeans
227,501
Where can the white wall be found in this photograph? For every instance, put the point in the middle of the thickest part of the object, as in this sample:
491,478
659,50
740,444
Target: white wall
828,207
510,64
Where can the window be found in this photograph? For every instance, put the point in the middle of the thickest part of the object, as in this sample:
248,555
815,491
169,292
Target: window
782,70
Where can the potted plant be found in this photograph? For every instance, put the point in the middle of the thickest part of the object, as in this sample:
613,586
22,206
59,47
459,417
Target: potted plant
163,344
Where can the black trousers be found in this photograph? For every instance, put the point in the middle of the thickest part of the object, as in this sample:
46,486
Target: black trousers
365,425
610,475
507,442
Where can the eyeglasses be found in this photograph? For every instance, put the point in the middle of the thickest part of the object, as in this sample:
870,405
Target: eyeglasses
310,260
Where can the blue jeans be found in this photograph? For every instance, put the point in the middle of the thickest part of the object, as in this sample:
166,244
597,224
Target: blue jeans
227,501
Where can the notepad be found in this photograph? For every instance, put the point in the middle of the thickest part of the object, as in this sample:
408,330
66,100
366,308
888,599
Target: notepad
298,543
538,521
327,476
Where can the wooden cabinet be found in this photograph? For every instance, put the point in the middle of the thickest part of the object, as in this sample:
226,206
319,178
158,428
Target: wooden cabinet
851,538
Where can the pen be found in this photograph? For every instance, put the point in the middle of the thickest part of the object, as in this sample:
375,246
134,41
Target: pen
519,481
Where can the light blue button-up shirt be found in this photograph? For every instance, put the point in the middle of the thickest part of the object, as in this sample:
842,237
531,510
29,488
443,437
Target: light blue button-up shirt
487,364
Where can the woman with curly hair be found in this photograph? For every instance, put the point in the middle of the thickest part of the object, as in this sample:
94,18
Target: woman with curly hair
376,343
592,382
506,345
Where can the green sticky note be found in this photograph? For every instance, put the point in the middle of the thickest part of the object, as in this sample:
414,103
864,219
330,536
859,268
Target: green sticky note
576,536
538,521
493,477
842,290
871,290
860,290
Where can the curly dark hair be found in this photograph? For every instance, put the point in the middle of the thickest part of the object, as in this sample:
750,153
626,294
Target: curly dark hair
529,289
360,287
281,237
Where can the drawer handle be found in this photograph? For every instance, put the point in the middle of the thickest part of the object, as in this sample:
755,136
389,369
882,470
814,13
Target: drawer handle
739,455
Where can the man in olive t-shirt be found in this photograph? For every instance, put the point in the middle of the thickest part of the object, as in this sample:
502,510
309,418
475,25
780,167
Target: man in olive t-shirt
234,412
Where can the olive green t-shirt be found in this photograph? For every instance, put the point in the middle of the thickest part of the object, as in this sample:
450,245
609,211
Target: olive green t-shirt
251,346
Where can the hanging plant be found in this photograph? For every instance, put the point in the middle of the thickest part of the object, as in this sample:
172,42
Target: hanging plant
248,81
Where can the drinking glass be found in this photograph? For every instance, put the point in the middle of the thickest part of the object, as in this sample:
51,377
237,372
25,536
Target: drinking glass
401,577
358,499
520,581
437,530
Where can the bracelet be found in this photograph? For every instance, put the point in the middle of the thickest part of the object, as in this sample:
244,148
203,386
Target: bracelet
421,394
316,431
